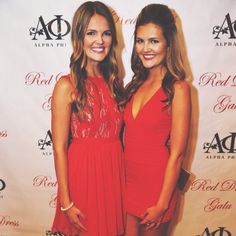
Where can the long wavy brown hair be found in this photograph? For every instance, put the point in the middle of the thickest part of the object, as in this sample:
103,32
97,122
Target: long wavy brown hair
108,67
162,16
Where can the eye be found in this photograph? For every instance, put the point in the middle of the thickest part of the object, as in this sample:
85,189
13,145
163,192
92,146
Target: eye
107,33
138,41
154,41
90,33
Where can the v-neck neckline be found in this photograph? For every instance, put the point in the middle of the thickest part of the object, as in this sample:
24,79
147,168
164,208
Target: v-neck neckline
144,105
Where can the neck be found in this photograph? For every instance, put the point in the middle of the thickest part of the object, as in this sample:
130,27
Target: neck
93,69
157,73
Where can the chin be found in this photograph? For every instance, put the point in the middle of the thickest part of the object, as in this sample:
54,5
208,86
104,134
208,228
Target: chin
151,65
98,58
148,66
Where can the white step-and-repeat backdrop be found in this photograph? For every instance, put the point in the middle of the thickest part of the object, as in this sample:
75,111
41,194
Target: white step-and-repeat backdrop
34,52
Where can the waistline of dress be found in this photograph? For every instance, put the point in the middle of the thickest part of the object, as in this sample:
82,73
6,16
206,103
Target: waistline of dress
96,140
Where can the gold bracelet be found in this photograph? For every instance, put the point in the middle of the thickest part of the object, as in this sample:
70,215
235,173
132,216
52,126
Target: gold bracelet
67,208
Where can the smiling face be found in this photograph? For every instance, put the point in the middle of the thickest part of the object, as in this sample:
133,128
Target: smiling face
97,39
151,45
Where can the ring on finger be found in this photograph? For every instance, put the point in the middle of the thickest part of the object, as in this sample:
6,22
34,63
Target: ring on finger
150,223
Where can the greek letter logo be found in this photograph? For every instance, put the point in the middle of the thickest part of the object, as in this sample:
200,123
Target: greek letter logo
222,145
221,231
228,27
47,141
56,29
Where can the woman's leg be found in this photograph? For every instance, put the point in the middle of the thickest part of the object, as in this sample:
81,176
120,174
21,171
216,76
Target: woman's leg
160,231
132,225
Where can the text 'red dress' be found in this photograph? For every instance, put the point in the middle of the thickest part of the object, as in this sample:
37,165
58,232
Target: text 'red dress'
146,155
95,167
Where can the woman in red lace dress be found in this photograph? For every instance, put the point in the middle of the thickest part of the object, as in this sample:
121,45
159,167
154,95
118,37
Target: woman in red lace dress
157,118
89,168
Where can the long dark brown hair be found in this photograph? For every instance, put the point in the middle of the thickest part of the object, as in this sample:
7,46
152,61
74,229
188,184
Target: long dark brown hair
160,15
108,67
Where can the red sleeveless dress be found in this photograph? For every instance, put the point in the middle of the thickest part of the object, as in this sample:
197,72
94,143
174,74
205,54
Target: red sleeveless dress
95,167
146,155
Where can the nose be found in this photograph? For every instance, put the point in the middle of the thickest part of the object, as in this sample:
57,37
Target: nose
99,39
146,47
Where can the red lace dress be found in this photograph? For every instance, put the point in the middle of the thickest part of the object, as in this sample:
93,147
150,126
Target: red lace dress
95,167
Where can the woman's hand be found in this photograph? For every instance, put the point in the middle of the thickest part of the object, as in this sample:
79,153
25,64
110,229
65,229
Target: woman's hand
152,217
75,215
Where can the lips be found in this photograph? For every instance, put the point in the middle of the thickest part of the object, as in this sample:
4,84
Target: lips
98,49
148,56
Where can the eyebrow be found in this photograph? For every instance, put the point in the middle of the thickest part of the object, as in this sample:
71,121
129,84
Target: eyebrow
91,30
151,38
96,30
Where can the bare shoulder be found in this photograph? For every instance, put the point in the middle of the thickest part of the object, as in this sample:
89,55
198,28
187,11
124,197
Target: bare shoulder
181,86
63,88
64,84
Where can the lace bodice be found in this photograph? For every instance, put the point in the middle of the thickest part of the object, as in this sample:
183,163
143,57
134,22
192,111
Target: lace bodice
105,120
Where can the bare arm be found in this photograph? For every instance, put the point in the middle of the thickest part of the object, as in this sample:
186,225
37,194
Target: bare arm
61,113
180,114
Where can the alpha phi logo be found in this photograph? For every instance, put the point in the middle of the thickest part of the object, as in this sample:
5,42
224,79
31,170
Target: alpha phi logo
55,29
221,231
221,145
52,32
45,144
225,31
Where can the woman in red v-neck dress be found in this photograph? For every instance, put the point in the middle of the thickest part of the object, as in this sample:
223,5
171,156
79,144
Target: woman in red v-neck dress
156,118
